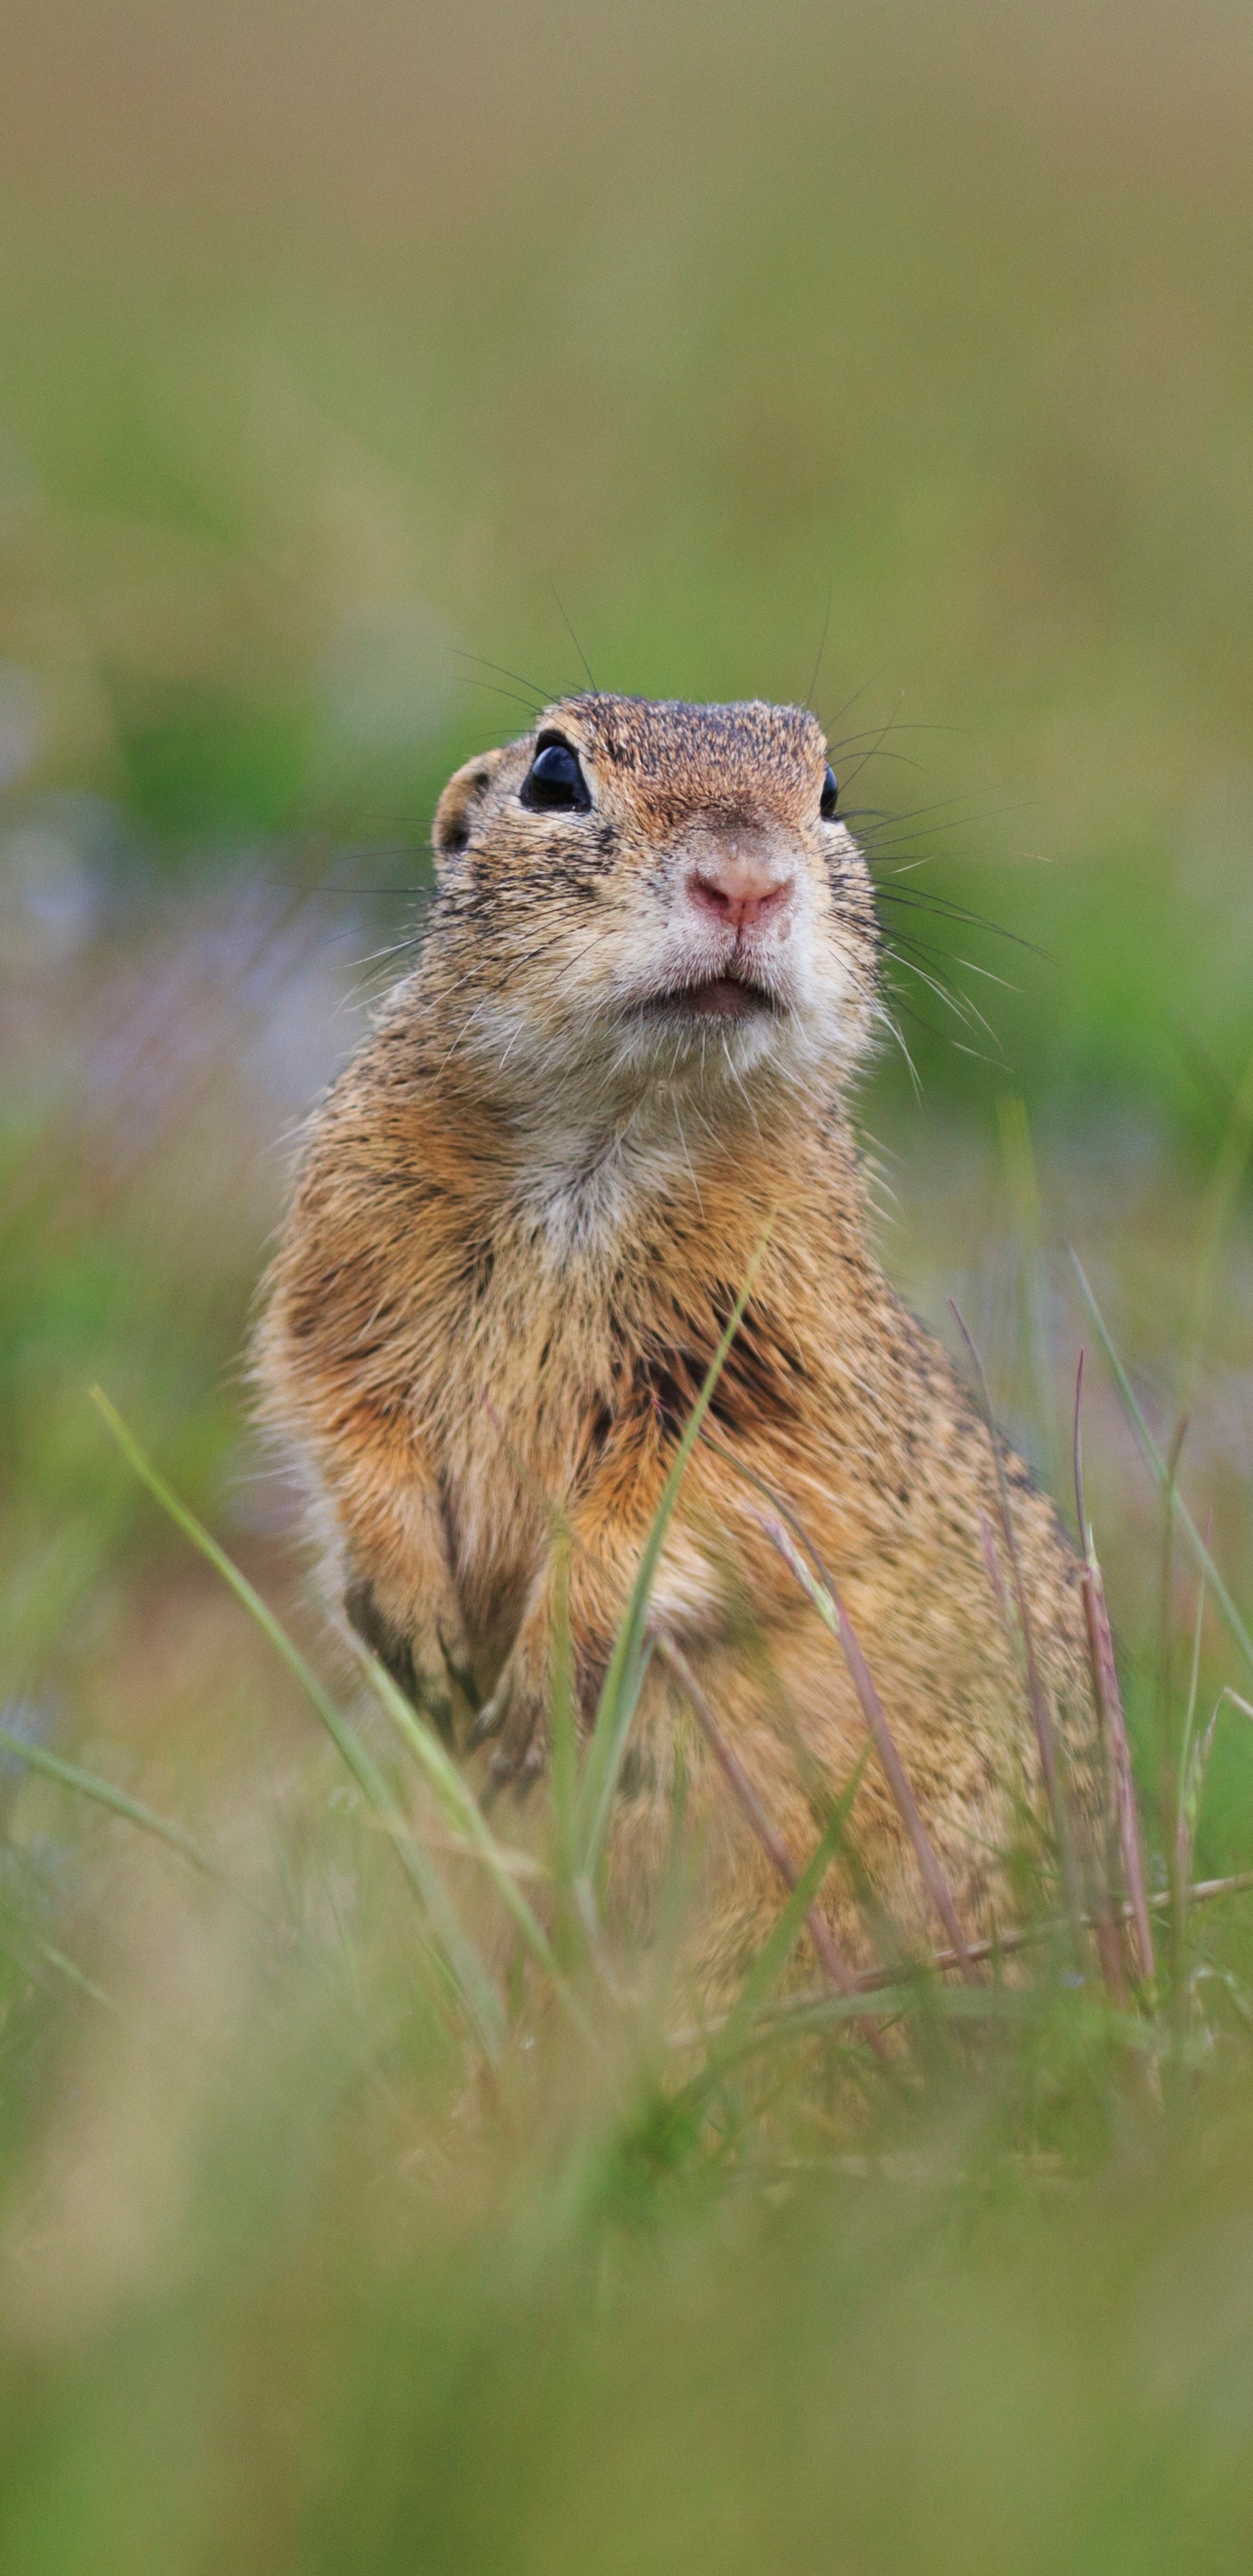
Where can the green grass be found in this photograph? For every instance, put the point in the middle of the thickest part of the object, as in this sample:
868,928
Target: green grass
371,2217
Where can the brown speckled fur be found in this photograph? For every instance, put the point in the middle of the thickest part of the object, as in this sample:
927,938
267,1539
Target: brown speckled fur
523,1216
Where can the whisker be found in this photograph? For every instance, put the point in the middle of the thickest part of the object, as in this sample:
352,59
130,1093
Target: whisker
543,697
940,805
878,753
494,690
925,948
574,638
973,814
944,909
959,1003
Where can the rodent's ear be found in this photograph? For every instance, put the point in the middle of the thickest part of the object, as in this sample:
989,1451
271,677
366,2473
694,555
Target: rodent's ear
455,812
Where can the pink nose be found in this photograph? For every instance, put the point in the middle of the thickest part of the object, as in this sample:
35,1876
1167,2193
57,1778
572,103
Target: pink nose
738,890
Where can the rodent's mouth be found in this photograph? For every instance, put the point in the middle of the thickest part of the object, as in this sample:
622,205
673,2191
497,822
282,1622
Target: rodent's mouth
719,997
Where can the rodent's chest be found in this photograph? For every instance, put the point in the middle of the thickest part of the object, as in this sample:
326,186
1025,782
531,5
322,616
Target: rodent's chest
516,1379
560,1385
524,1356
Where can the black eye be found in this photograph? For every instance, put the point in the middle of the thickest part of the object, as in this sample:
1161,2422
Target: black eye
830,791
554,783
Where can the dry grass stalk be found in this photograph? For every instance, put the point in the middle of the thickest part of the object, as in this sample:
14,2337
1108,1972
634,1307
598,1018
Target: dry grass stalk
827,1949
1030,1936
827,1602
1110,1712
1041,1714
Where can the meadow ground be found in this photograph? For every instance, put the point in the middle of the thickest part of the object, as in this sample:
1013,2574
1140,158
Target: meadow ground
330,346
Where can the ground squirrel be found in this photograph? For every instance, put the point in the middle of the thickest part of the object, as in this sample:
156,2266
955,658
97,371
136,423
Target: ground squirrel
524,1214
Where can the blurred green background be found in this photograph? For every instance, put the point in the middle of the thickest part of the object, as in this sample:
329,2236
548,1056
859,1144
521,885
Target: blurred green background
335,338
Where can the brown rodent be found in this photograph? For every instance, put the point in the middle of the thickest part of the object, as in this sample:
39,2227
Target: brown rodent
523,1217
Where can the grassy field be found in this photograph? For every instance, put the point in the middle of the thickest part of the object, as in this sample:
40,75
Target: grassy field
345,357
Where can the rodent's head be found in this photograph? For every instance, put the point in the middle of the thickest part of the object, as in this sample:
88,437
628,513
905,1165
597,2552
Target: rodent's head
641,893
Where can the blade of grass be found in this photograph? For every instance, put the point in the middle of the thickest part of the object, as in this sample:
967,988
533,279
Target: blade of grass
1013,2006
64,1967
1188,1799
831,1611
826,1948
769,1965
783,1513
463,1813
451,1952
1114,1727
563,1761
672,1911
105,1795
1168,1785
1109,1710
896,1979
736,2034
632,1646
732,2034
1041,1714
77,1977
1028,1937
1024,1190
1157,1463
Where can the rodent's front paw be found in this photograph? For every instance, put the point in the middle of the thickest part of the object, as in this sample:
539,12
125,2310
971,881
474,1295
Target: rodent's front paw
427,1658
517,1714
438,1687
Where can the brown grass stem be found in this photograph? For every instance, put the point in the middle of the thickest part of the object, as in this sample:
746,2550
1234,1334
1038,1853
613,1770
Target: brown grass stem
826,1948
1004,1945
1041,1714
1114,1725
830,1609
1191,1765
833,1614
1109,1709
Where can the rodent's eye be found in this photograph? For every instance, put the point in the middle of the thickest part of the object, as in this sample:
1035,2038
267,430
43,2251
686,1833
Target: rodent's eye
554,783
830,793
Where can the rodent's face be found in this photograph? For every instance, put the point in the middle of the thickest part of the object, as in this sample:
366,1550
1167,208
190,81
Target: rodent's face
641,894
